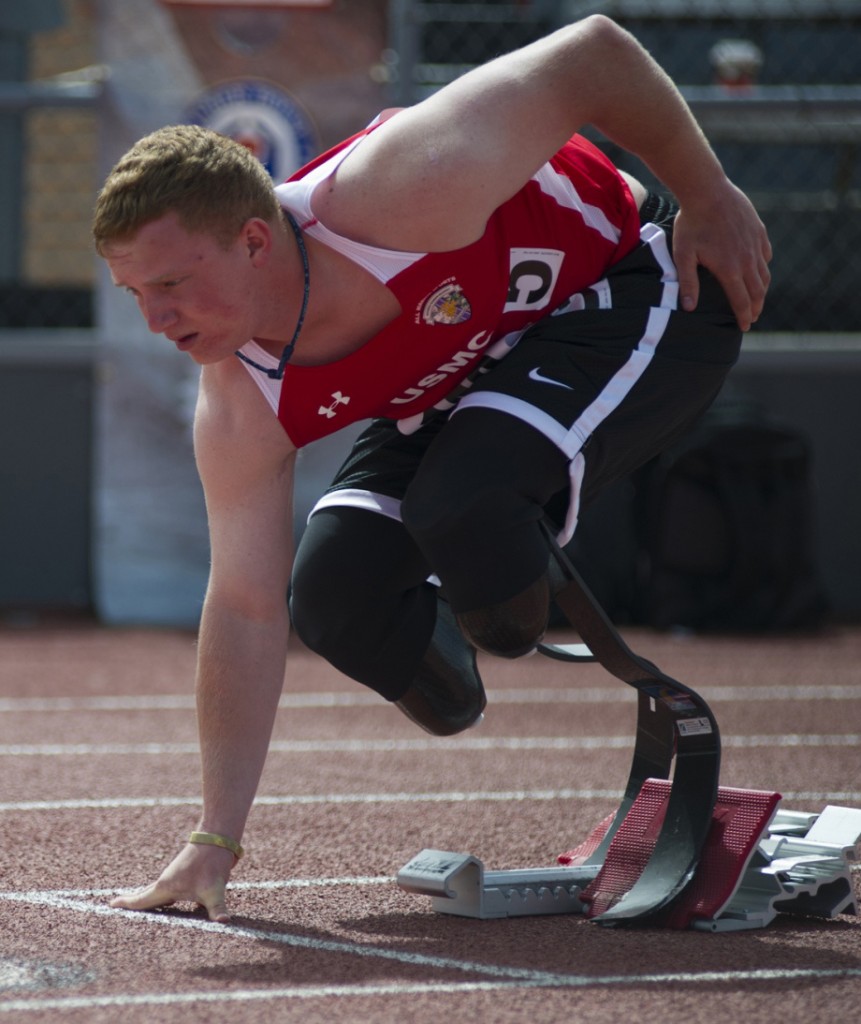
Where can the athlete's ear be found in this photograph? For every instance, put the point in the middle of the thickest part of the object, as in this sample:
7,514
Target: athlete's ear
256,237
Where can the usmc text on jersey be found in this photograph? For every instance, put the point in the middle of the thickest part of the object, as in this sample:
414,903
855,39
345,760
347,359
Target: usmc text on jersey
474,347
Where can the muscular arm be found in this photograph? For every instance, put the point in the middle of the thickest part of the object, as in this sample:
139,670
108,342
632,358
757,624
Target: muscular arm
244,628
246,465
430,177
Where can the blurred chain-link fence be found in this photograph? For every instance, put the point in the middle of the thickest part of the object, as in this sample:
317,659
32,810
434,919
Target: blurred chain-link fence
48,139
102,506
776,85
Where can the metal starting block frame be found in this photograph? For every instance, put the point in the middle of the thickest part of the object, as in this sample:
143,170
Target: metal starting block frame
800,866
458,884
687,875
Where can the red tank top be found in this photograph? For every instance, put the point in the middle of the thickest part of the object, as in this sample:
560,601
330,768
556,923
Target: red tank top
554,238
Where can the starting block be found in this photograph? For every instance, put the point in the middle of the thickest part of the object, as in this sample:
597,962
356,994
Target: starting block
758,861
685,853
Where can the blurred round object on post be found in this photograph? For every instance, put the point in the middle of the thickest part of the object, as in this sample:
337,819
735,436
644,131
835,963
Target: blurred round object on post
736,63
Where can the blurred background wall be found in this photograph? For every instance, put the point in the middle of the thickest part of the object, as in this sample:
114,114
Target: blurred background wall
100,509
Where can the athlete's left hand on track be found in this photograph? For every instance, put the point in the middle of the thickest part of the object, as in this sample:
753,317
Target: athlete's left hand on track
724,234
198,874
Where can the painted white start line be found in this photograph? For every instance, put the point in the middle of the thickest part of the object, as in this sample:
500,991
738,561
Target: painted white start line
495,976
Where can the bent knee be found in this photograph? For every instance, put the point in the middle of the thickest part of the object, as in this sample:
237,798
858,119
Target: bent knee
512,628
318,619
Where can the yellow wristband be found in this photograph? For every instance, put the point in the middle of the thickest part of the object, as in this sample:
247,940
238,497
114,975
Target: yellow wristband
214,839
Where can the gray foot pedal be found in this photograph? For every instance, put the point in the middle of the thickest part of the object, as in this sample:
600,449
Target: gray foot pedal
458,884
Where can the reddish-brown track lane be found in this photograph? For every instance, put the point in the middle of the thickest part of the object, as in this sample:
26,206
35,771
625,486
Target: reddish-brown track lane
101,781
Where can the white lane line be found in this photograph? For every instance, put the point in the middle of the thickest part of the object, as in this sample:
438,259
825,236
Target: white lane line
461,743
264,886
363,698
426,988
311,799
502,976
270,885
293,800
367,951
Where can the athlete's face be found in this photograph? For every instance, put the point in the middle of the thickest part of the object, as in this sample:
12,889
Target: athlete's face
189,287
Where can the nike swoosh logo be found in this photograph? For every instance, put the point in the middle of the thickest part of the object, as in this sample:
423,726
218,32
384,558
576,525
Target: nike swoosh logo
535,375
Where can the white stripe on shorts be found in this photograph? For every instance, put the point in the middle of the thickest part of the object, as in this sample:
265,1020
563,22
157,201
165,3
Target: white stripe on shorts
571,440
354,497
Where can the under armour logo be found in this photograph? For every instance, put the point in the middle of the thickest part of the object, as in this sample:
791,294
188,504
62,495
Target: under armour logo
329,410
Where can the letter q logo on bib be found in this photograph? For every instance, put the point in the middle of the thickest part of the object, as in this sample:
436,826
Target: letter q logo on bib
533,275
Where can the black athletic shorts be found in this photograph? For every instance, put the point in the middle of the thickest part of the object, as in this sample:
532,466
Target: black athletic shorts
611,380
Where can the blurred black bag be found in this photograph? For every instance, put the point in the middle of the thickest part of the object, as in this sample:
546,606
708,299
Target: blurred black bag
728,539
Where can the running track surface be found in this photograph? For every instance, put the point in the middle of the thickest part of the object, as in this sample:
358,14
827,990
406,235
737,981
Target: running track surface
99,767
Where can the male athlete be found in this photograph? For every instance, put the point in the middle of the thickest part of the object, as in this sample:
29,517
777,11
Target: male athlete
523,324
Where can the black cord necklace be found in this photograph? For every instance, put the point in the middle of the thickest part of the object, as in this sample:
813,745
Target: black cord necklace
288,349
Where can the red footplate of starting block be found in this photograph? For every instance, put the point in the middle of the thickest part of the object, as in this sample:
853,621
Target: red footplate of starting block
741,817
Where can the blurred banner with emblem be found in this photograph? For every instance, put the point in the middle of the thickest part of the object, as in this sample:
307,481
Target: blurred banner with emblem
287,79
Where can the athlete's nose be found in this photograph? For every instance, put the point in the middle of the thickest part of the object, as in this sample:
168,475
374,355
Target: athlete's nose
158,315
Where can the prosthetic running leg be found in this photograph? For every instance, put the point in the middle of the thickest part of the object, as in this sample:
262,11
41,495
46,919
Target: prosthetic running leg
673,722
